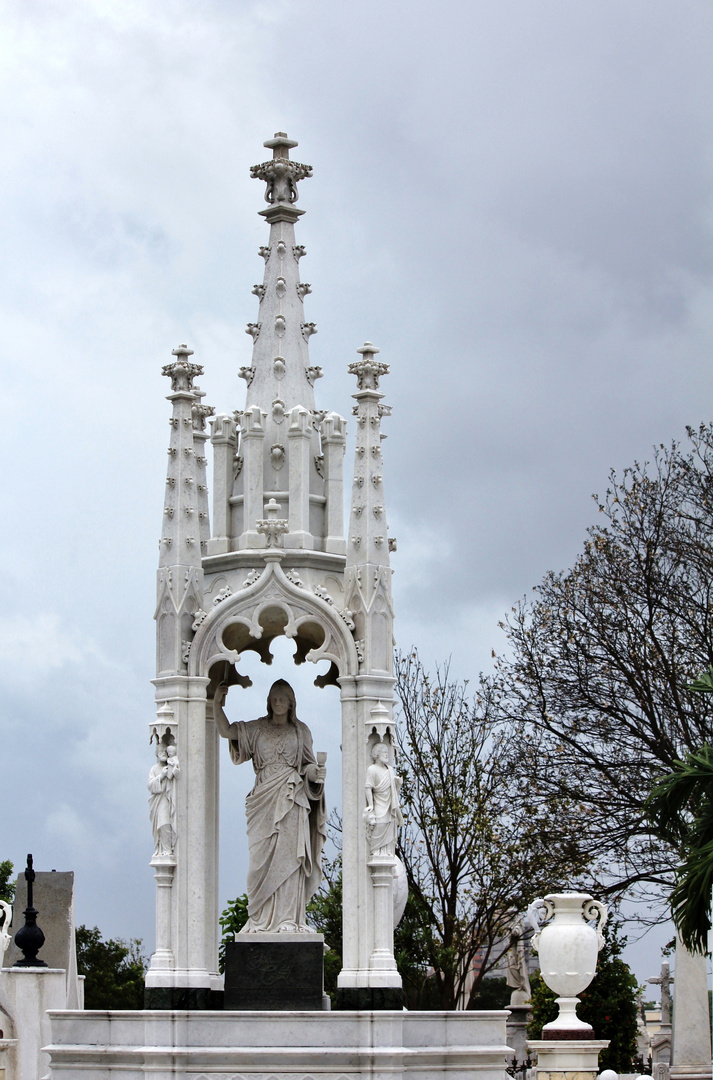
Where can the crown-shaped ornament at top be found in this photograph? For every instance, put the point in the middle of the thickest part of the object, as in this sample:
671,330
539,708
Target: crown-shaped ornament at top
181,372
368,370
281,175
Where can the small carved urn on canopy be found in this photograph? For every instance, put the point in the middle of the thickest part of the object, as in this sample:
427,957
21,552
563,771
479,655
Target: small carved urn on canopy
568,948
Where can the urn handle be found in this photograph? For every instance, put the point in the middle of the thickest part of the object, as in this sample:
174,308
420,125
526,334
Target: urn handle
594,909
533,917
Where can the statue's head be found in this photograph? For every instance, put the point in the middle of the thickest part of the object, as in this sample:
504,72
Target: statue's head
380,752
282,689
170,749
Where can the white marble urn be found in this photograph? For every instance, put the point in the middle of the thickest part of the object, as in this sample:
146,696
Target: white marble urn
568,946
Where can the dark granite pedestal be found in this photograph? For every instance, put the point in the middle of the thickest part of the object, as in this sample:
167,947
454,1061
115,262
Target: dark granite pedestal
275,971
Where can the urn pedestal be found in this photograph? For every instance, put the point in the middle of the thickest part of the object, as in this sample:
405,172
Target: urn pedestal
567,1059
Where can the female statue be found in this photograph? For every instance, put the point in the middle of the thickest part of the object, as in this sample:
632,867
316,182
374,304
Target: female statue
162,804
286,811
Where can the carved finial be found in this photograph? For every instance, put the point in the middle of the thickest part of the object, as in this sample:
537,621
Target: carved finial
280,175
368,370
200,414
272,527
181,372
29,938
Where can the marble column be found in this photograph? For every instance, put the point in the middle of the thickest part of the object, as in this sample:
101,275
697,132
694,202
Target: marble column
691,1017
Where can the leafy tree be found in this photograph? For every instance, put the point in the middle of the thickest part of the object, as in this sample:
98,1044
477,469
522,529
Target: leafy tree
681,808
324,912
412,938
596,680
114,970
231,921
477,844
7,886
492,993
608,1004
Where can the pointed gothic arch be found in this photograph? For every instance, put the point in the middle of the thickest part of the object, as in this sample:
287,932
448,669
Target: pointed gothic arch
272,606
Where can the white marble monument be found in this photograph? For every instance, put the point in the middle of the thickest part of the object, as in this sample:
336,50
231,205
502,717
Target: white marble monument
277,561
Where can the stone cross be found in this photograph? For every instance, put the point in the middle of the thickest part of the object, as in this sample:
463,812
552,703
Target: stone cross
664,980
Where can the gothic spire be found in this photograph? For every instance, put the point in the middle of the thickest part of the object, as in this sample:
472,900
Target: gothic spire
281,376
280,454
368,570
180,573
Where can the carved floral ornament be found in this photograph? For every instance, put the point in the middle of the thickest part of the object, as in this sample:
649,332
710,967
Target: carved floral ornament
181,372
368,370
200,413
281,177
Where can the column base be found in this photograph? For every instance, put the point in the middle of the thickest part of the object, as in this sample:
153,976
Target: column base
370,998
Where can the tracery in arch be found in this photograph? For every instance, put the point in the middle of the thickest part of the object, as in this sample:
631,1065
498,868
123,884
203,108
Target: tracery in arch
272,606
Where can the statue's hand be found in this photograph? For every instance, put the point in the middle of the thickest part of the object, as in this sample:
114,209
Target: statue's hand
316,774
369,816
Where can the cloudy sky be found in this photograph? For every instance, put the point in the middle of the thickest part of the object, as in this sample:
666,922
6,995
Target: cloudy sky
512,199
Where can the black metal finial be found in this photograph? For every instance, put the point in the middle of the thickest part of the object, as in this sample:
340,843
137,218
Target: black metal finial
29,938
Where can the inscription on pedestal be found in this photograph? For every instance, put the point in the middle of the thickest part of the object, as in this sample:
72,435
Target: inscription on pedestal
263,973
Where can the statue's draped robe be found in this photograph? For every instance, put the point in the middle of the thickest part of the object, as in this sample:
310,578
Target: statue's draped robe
386,809
286,823
161,804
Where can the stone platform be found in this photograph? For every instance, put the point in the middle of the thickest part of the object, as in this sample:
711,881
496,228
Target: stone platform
301,1046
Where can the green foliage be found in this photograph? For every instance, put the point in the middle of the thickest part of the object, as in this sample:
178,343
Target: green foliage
412,941
544,1010
231,921
324,913
680,807
114,970
704,683
493,993
608,1004
7,887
